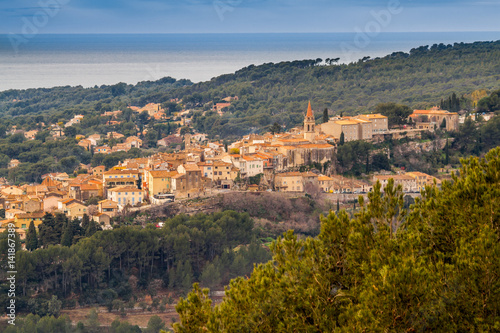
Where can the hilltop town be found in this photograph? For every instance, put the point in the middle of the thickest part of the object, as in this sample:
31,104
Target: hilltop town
300,160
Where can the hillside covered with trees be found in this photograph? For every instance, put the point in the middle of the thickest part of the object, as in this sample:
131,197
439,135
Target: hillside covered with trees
81,264
432,268
278,93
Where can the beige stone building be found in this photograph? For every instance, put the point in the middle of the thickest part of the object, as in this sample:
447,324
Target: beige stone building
428,119
126,195
120,177
108,207
423,179
295,181
75,209
408,183
380,123
337,127
361,127
160,182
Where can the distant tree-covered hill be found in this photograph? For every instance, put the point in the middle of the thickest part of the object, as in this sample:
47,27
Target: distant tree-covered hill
278,93
64,102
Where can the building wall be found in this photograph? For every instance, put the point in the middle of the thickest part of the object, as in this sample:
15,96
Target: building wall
159,185
125,196
334,128
76,211
289,183
365,131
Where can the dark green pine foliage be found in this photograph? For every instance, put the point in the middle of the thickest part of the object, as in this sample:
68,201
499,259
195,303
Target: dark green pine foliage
50,233
77,230
432,268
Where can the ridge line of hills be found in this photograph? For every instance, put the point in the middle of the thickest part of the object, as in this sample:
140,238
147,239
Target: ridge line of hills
276,92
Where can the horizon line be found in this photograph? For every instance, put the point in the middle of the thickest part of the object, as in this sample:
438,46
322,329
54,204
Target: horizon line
242,33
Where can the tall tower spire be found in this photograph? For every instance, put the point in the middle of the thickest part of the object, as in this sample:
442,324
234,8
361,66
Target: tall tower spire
309,124
309,111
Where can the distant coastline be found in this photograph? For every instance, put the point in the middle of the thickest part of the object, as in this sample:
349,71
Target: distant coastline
49,60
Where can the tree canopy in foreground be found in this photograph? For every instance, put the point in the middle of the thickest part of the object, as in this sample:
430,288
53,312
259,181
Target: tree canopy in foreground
433,268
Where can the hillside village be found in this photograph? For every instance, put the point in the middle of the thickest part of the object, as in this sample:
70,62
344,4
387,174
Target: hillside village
273,161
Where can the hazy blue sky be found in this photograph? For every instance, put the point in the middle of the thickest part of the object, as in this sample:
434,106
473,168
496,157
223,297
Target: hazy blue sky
172,16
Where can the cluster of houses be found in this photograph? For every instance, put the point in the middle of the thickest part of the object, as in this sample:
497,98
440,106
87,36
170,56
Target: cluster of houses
92,142
271,161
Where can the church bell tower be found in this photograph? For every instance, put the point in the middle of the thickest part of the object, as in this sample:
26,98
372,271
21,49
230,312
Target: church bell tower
309,124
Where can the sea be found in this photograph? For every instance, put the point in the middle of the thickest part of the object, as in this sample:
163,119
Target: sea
88,60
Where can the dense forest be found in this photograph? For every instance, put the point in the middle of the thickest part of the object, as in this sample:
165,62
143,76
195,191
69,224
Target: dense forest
113,267
431,268
278,93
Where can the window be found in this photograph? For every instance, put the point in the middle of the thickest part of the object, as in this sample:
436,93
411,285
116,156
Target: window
23,226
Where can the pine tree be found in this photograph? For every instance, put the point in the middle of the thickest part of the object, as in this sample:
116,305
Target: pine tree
50,229
31,238
76,230
386,269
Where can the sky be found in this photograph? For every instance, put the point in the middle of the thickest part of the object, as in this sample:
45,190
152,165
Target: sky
246,16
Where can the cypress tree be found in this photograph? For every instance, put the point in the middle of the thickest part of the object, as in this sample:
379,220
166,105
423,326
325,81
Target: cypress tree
447,153
455,103
67,235
443,124
85,223
31,238
338,205
325,115
342,139
91,229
